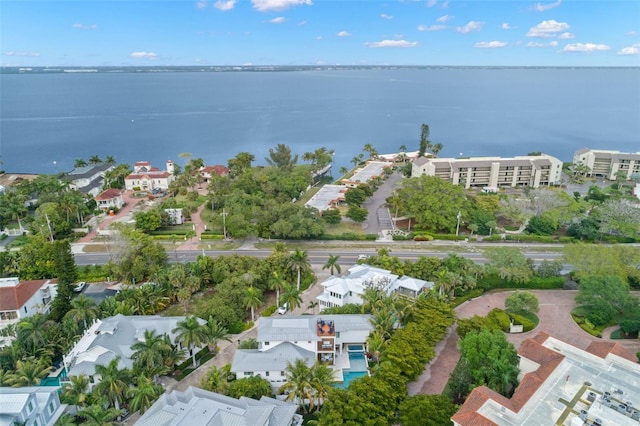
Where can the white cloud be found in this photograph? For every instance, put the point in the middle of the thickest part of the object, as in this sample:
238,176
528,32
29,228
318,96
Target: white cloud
566,36
547,29
490,44
431,3
392,43
224,4
634,49
24,54
84,27
431,27
302,23
142,54
445,5
553,43
278,20
506,26
543,7
586,47
278,5
385,16
445,18
343,34
201,4
471,26
632,33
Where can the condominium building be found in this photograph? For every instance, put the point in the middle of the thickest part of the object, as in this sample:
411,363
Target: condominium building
492,172
603,163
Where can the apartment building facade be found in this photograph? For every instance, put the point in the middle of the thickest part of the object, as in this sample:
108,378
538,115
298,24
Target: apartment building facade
605,163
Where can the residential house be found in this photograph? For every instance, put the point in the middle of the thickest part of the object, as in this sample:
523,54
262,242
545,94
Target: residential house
113,337
327,197
32,406
492,172
343,290
147,178
371,170
607,163
207,172
89,179
200,407
562,384
110,199
285,339
21,299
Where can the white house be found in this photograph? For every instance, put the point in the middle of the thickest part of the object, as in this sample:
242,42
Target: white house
284,339
113,337
147,178
200,407
89,179
340,291
21,299
33,405
327,197
110,199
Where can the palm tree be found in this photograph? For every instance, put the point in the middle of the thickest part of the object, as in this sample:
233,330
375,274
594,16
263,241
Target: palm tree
174,355
76,392
344,171
252,300
278,284
403,148
97,415
79,162
299,384
191,334
250,343
149,353
313,305
368,148
322,381
292,297
113,384
95,160
473,227
216,379
299,262
375,344
215,331
31,334
110,160
83,309
28,372
491,225
332,264
436,148
144,394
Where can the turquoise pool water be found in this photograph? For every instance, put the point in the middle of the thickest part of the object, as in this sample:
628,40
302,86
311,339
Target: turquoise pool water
357,369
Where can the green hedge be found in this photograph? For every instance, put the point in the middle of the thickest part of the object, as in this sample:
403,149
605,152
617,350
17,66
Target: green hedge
501,318
181,232
476,292
267,312
348,236
205,236
526,323
494,281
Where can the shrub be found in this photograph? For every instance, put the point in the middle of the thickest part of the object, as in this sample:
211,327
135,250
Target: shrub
423,238
501,318
476,292
269,311
526,323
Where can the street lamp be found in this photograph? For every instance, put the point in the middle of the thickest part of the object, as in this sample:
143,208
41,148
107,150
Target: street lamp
458,224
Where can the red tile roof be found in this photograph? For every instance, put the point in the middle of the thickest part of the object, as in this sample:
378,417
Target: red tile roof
218,169
602,349
108,194
13,298
148,175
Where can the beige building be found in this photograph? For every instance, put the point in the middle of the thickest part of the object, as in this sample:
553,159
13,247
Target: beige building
606,164
492,172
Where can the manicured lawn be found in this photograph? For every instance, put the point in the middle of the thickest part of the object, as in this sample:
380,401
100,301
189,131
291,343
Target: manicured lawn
531,317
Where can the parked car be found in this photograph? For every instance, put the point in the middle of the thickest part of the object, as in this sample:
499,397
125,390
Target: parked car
283,309
363,256
79,287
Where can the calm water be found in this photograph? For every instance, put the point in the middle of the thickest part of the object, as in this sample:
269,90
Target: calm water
51,118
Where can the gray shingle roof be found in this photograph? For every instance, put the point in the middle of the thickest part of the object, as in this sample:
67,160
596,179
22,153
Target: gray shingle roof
275,359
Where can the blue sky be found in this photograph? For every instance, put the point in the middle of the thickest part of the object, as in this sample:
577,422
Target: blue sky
319,32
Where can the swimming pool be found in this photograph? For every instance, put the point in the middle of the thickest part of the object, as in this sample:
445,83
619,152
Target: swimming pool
357,368
355,348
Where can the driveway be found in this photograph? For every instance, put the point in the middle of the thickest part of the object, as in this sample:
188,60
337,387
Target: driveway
555,319
379,218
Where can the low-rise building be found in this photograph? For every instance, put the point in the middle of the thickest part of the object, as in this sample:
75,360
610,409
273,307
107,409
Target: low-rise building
492,172
207,172
33,405
111,338
21,299
562,384
607,163
344,290
200,407
110,199
285,339
371,169
327,197
147,178
89,179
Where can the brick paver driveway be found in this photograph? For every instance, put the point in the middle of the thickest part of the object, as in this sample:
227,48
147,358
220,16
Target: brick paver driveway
555,319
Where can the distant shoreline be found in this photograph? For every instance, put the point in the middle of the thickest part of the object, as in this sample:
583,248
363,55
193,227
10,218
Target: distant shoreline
269,68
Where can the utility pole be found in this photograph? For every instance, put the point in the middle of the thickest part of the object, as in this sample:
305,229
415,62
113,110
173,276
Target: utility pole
49,226
458,224
224,223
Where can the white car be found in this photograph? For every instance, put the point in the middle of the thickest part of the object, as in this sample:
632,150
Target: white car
363,256
79,287
283,309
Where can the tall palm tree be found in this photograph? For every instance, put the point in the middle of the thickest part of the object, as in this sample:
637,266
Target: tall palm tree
322,381
95,160
278,284
76,392
83,309
375,344
344,171
113,384
436,148
144,394
292,297
299,262
29,372
110,160
299,384
216,379
174,355
79,162
97,415
215,332
149,353
252,300
190,334
332,264
31,334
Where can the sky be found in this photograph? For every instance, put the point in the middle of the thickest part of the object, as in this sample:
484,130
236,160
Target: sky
319,32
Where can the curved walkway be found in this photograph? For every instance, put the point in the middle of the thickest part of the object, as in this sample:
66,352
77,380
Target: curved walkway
555,319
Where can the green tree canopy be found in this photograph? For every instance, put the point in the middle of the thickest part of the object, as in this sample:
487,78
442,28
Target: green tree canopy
521,301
